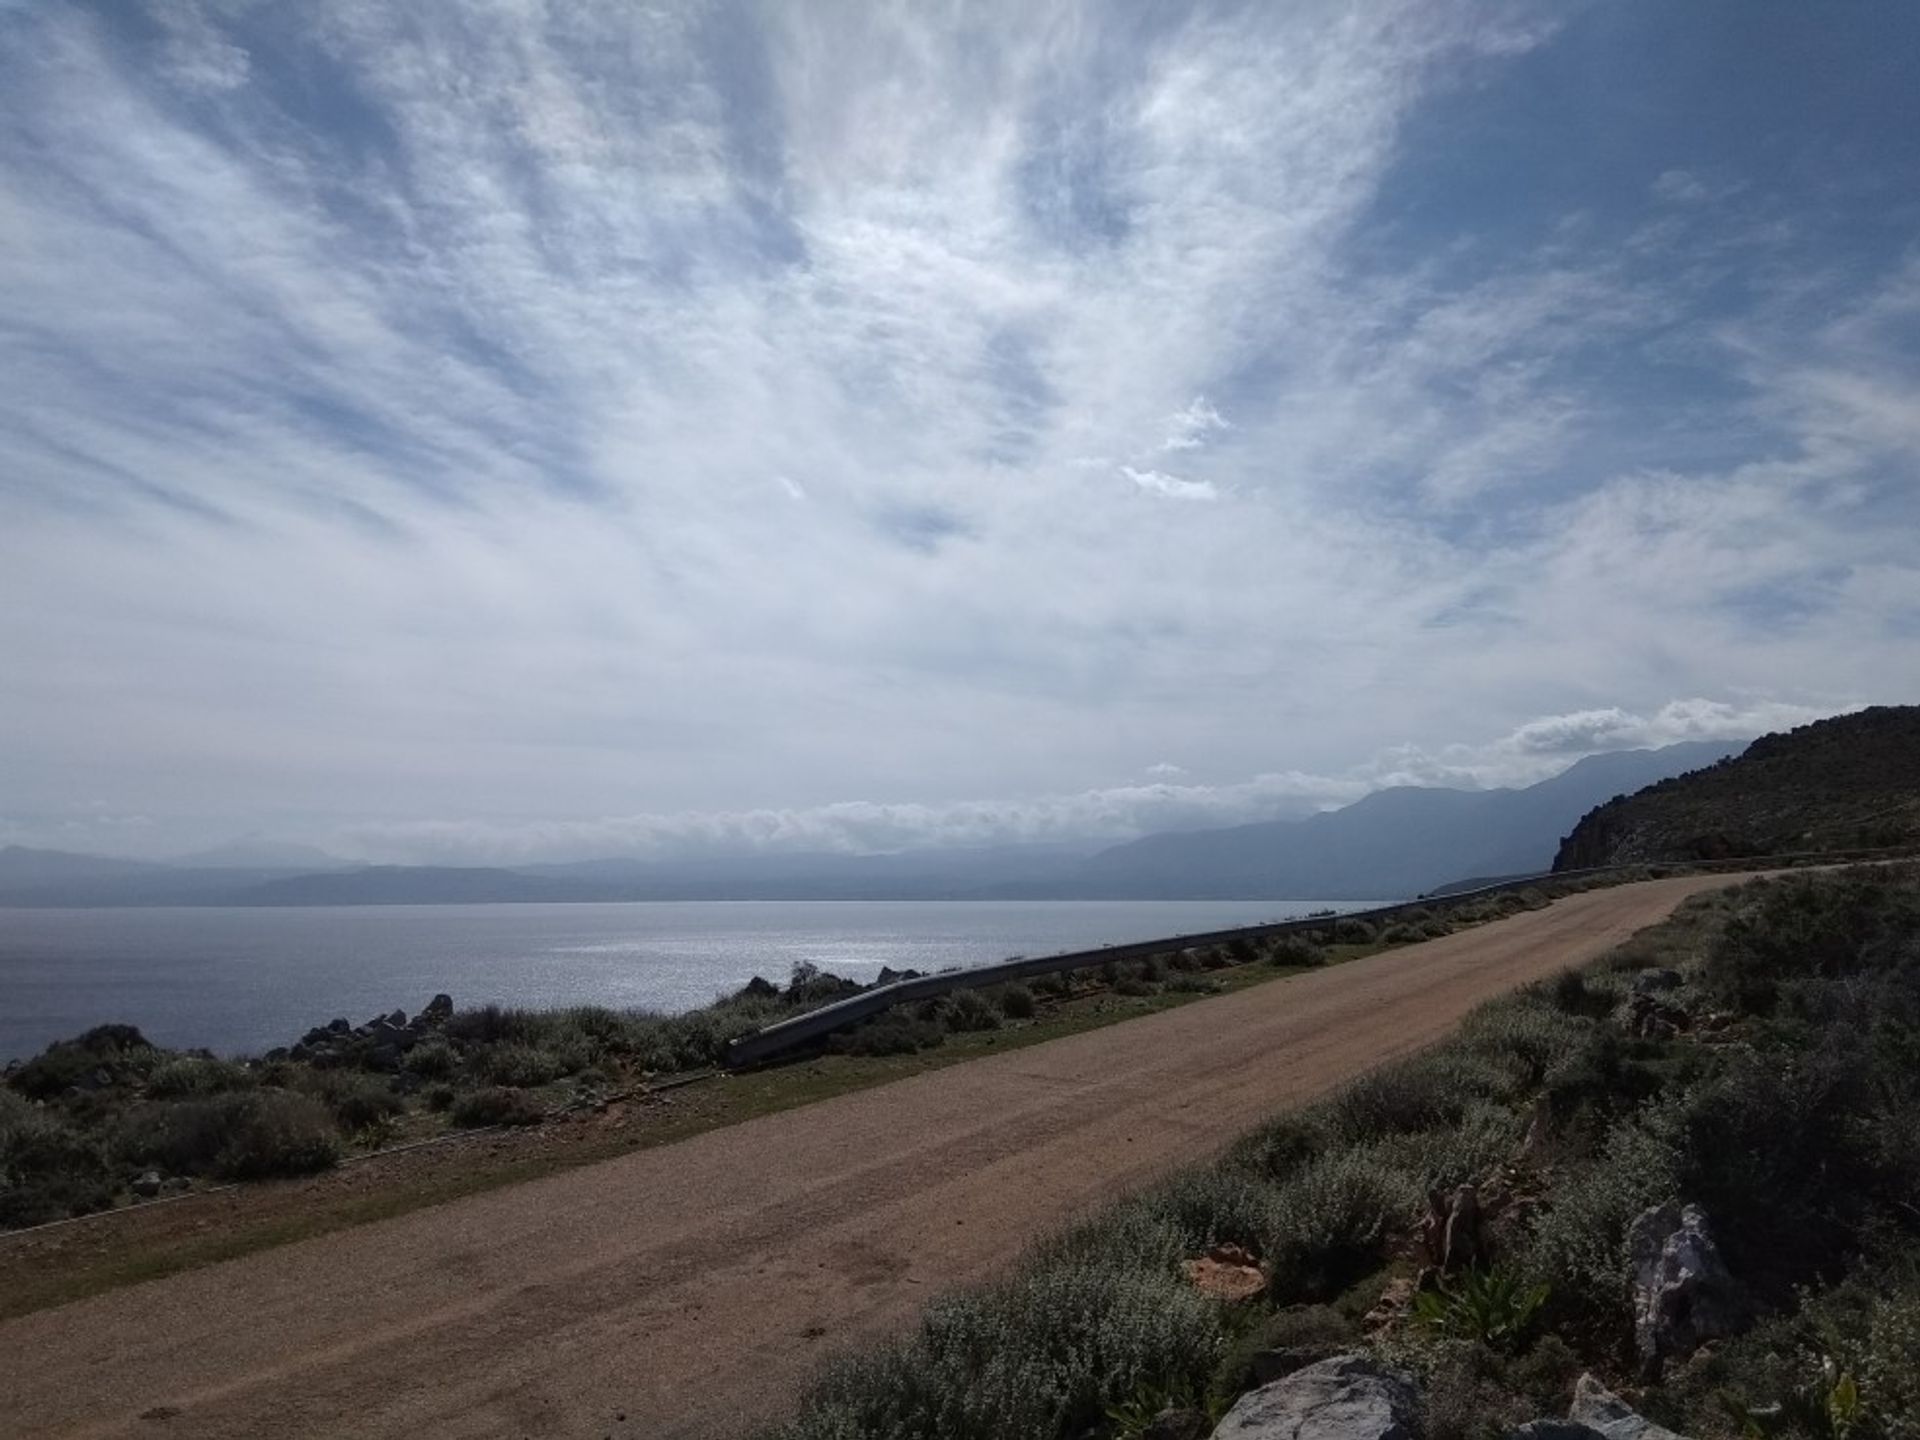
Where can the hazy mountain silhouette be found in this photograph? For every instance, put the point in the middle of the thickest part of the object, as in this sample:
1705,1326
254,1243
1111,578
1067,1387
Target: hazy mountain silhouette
1393,843
1396,842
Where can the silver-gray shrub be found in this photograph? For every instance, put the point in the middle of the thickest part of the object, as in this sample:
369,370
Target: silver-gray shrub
1579,1245
1030,1359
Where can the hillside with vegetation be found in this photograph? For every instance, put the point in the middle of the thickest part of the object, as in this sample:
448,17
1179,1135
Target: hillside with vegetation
1849,783
1669,1195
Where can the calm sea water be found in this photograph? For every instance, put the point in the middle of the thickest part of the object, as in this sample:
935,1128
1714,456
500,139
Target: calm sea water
244,980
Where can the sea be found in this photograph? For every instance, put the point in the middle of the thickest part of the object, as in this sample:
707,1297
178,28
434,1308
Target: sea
240,981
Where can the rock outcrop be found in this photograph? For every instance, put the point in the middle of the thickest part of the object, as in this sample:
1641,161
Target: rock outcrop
1683,1293
1605,1413
1348,1397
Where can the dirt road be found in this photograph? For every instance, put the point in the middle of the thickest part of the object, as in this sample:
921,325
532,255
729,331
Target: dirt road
685,1291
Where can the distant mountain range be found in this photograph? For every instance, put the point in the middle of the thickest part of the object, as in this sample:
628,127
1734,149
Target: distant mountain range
1852,782
1398,842
1408,840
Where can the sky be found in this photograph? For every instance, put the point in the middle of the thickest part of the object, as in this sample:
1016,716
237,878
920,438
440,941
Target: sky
510,430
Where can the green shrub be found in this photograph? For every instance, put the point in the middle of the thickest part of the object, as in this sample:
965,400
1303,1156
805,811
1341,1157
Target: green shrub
433,1060
439,1098
1016,1002
276,1132
1277,1149
1191,985
1449,1154
48,1169
1136,1233
890,1033
1889,1376
1803,926
967,1010
1572,994
490,1025
1525,1031
496,1106
1035,1359
1291,951
356,1101
1579,1245
518,1066
1490,1307
1214,1206
1400,935
114,1053
1386,1101
1333,1220
1469,1392
238,1135
1354,932
178,1076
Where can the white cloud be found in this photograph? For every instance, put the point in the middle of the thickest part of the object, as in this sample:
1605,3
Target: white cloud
1157,482
1685,187
1189,429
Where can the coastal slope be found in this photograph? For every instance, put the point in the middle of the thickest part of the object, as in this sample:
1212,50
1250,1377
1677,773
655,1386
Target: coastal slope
1852,782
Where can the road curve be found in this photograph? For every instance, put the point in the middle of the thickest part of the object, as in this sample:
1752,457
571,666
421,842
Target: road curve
685,1291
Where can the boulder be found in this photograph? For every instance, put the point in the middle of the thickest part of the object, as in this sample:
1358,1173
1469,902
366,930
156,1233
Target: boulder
146,1184
338,1025
1683,1293
1601,1410
1348,1397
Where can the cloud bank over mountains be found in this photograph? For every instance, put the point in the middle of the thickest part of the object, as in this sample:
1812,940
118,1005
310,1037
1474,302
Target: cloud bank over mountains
428,429
1159,802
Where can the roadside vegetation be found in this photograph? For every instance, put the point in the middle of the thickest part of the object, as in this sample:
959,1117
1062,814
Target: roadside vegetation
107,1118
1756,1058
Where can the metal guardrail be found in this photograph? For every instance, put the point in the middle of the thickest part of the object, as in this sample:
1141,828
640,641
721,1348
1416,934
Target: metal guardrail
785,1035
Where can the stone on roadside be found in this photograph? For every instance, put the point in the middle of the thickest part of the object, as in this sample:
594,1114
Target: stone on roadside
1226,1272
146,1184
1683,1294
1599,1408
1347,1397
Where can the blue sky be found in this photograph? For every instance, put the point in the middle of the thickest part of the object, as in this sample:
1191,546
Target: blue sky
511,430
